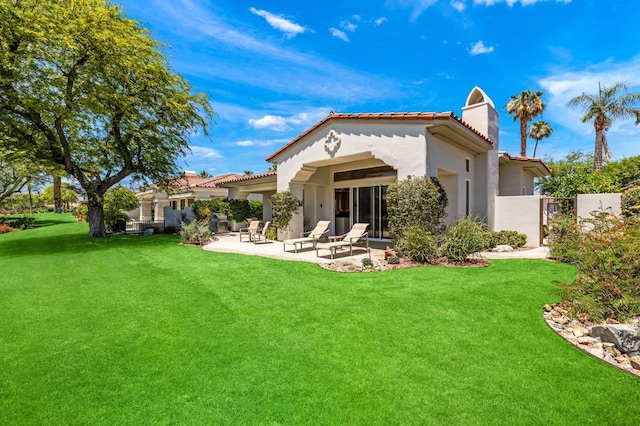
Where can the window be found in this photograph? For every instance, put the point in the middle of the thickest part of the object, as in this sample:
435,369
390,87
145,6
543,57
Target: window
466,194
364,173
467,164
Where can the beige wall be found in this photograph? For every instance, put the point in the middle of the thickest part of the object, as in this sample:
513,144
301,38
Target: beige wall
588,203
519,213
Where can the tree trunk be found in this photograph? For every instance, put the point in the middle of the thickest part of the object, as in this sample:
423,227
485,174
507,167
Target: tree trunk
30,197
57,194
96,218
523,138
597,154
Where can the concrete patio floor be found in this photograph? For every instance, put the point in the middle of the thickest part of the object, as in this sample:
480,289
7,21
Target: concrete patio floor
230,243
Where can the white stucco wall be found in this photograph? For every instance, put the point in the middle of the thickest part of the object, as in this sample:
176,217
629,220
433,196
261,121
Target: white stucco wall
587,203
519,213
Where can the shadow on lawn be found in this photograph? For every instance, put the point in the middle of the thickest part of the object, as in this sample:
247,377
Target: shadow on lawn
74,243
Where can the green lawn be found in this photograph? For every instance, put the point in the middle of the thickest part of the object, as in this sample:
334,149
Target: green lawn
140,330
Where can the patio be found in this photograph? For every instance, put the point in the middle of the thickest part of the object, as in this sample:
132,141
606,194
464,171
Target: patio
230,243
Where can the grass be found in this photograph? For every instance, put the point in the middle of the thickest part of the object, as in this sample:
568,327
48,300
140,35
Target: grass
140,330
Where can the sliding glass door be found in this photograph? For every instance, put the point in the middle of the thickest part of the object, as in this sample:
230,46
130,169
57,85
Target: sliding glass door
368,205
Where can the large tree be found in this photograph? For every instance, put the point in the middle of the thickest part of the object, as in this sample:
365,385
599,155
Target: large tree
86,89
603,108
13,177
525,106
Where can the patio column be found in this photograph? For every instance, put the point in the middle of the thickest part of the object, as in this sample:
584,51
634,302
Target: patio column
145,210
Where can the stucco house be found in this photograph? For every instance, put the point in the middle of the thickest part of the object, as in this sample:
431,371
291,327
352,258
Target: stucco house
180,193
342,166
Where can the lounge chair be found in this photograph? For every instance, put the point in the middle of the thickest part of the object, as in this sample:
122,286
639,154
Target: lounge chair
251,231
310,237
262,234
358,231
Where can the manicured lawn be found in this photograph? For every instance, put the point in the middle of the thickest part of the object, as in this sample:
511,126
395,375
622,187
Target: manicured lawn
140,330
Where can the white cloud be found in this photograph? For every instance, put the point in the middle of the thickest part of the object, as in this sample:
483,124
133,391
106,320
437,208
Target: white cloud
458,5
205,152
510,3
381,20
479,48
349,26
339,34
244,143
281,123
559,88
290,28
417,6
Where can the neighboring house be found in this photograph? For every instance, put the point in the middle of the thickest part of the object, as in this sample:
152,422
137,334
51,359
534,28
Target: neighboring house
181,192
342,166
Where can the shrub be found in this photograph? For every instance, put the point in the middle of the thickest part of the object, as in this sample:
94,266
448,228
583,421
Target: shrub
240,210
204,209
415,201
564,238
510,238
608,280
467,236
17,223
195,232
116,200
393,260
4,228
366,262
284,204
418,244
631,202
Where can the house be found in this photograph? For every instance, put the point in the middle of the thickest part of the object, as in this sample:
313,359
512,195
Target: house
341,167
180,193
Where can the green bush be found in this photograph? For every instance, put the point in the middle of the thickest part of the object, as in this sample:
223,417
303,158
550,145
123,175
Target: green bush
204,209
510,238
467,236
18,223
608,280
418,244
564,238
415,201
284,204
393,260
195,232
631,202
117,200
366,262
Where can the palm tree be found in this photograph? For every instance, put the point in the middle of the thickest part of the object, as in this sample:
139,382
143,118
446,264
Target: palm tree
538,131
603,108
524,107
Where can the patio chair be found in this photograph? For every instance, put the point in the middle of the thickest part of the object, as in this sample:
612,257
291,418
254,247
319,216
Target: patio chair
357,232
310,237
250,232
262,234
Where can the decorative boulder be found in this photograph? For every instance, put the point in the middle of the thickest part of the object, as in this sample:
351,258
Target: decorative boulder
626,338
502,248
148,231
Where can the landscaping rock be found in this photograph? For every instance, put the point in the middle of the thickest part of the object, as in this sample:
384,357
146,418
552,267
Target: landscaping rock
148,231
635,362
625,337
502,248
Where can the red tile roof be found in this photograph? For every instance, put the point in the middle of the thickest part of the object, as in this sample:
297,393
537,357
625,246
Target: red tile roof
189,180
527,159
243,178
382,116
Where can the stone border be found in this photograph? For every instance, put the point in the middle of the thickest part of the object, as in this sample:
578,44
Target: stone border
579,335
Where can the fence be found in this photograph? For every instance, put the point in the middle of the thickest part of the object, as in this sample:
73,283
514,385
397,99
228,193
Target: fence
138,226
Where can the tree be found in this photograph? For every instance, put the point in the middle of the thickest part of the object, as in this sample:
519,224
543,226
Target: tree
539,130
524,107
13,178
86,89
248,173
575,175
117,200
603,108
66,196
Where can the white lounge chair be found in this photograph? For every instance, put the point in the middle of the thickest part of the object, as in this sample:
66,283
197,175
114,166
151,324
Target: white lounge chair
357,232
262,234
310,237
251,231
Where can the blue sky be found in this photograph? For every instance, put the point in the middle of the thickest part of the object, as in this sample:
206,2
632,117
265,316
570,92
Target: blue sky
274,68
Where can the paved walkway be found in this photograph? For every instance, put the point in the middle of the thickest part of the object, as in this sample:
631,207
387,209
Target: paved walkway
230,243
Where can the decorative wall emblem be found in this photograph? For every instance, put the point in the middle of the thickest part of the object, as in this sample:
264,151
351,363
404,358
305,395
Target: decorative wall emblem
332,143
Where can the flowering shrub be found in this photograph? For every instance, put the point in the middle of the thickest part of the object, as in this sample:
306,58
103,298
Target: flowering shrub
4,228
608,263
195,232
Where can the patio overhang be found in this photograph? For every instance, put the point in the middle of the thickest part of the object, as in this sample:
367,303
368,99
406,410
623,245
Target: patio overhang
534,166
